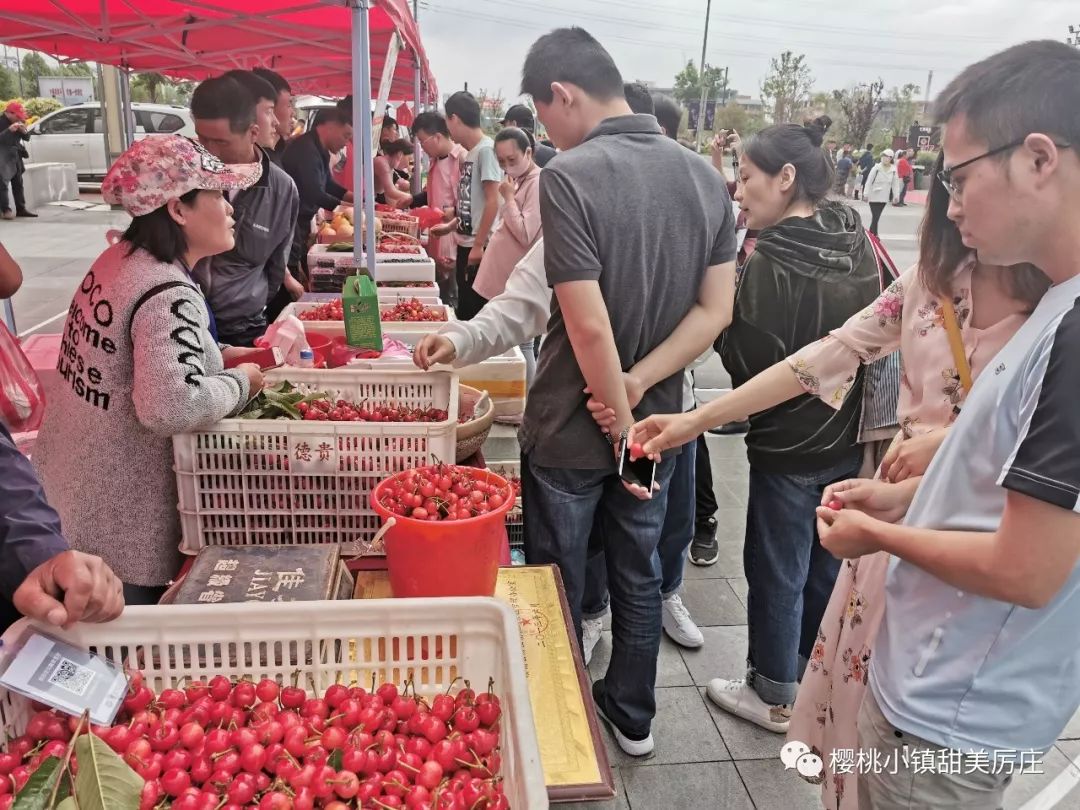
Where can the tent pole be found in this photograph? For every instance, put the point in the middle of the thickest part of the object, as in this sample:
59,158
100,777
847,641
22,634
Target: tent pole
9,316
363,169
417,157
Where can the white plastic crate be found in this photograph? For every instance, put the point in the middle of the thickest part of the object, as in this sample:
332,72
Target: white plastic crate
502,376
431,640
408,292
388,266
335,329
395,295
281,481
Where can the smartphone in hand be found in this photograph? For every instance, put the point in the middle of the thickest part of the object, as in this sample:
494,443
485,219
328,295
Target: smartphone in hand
641,471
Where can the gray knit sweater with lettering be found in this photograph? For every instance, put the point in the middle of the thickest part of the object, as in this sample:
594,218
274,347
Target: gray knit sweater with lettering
137,365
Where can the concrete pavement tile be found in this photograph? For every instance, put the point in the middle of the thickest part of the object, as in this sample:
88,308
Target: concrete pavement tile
736,491
730,562
771,788
1072,730
725,447
687,787
740,587
618,803
743,739
1026,786
670,668
682,731
712,602
723,656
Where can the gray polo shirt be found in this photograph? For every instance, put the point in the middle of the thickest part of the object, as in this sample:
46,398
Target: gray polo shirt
958,669
643,217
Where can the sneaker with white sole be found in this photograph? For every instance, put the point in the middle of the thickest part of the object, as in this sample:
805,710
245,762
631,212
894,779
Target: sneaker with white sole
634,748
679,624
591,630
739,698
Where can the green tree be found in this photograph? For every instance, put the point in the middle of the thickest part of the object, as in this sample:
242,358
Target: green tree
688,83
148,87
786,89
9,83
732,116
905,108
75,69
33,67
860,106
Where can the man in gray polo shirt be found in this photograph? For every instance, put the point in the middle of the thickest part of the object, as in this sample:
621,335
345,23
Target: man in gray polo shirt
240,283
979,649
640,248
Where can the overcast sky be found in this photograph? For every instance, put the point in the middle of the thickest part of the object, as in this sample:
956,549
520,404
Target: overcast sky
483,42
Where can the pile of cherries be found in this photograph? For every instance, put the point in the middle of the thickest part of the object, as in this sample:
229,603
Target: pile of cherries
442,492
240,745
397,284
330,311
327,410
412,310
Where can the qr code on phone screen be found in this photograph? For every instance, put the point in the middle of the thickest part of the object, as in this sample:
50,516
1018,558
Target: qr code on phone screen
72,677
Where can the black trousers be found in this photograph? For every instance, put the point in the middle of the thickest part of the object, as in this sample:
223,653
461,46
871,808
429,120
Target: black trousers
469,302
704,495
875,216
17,192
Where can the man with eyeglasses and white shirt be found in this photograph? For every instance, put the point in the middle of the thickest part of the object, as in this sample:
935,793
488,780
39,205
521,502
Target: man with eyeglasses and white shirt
977,664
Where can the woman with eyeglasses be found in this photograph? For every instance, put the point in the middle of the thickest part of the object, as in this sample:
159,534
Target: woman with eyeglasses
989,305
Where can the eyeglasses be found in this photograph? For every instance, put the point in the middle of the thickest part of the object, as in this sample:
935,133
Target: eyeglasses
946,175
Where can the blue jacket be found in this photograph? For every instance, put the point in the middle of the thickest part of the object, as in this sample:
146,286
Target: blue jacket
29,527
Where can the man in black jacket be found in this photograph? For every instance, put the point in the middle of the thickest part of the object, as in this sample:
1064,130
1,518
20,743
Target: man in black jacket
12,134
241,283
307,162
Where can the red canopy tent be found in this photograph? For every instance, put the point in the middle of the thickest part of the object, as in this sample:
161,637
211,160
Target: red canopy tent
330,47
307,41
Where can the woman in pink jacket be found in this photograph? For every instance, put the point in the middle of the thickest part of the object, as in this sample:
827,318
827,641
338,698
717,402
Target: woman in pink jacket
518,225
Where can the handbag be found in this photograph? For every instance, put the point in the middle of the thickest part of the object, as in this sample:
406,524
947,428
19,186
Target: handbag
22,397
956,343
881,381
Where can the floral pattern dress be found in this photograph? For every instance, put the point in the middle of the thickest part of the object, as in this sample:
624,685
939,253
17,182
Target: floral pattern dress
909,318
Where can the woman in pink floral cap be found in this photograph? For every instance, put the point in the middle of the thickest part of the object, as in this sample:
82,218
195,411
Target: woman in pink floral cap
139,362
989,304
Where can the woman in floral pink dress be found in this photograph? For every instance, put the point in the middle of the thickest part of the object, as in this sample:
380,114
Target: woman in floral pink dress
990,304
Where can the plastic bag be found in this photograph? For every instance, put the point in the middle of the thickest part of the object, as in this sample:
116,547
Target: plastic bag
288,335
22,397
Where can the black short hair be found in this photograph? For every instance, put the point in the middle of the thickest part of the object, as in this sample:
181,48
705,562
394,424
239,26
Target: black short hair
522,137
776,146
389,121
431,123
1033,87
158,233
869,147
259,87
669,114
277,81
638,97
464,105
574,56
333,115
224,97
398,147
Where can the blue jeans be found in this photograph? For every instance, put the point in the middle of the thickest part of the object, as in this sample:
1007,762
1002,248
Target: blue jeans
790,575
675,538
562,507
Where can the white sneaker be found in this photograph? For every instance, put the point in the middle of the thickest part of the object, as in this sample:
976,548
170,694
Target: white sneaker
739,698
590,635
634,748
679,624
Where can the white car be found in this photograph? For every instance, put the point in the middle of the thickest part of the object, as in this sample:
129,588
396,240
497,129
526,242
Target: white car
76,134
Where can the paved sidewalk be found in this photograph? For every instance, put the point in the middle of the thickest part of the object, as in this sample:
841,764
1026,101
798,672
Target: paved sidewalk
706,759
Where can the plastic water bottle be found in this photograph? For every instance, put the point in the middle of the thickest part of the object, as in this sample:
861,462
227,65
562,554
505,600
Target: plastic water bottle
307,358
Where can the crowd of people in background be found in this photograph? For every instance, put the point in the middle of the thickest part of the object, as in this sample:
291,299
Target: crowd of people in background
912,524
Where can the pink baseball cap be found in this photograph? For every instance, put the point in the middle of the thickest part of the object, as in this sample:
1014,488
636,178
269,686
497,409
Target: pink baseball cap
160,168
17,109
